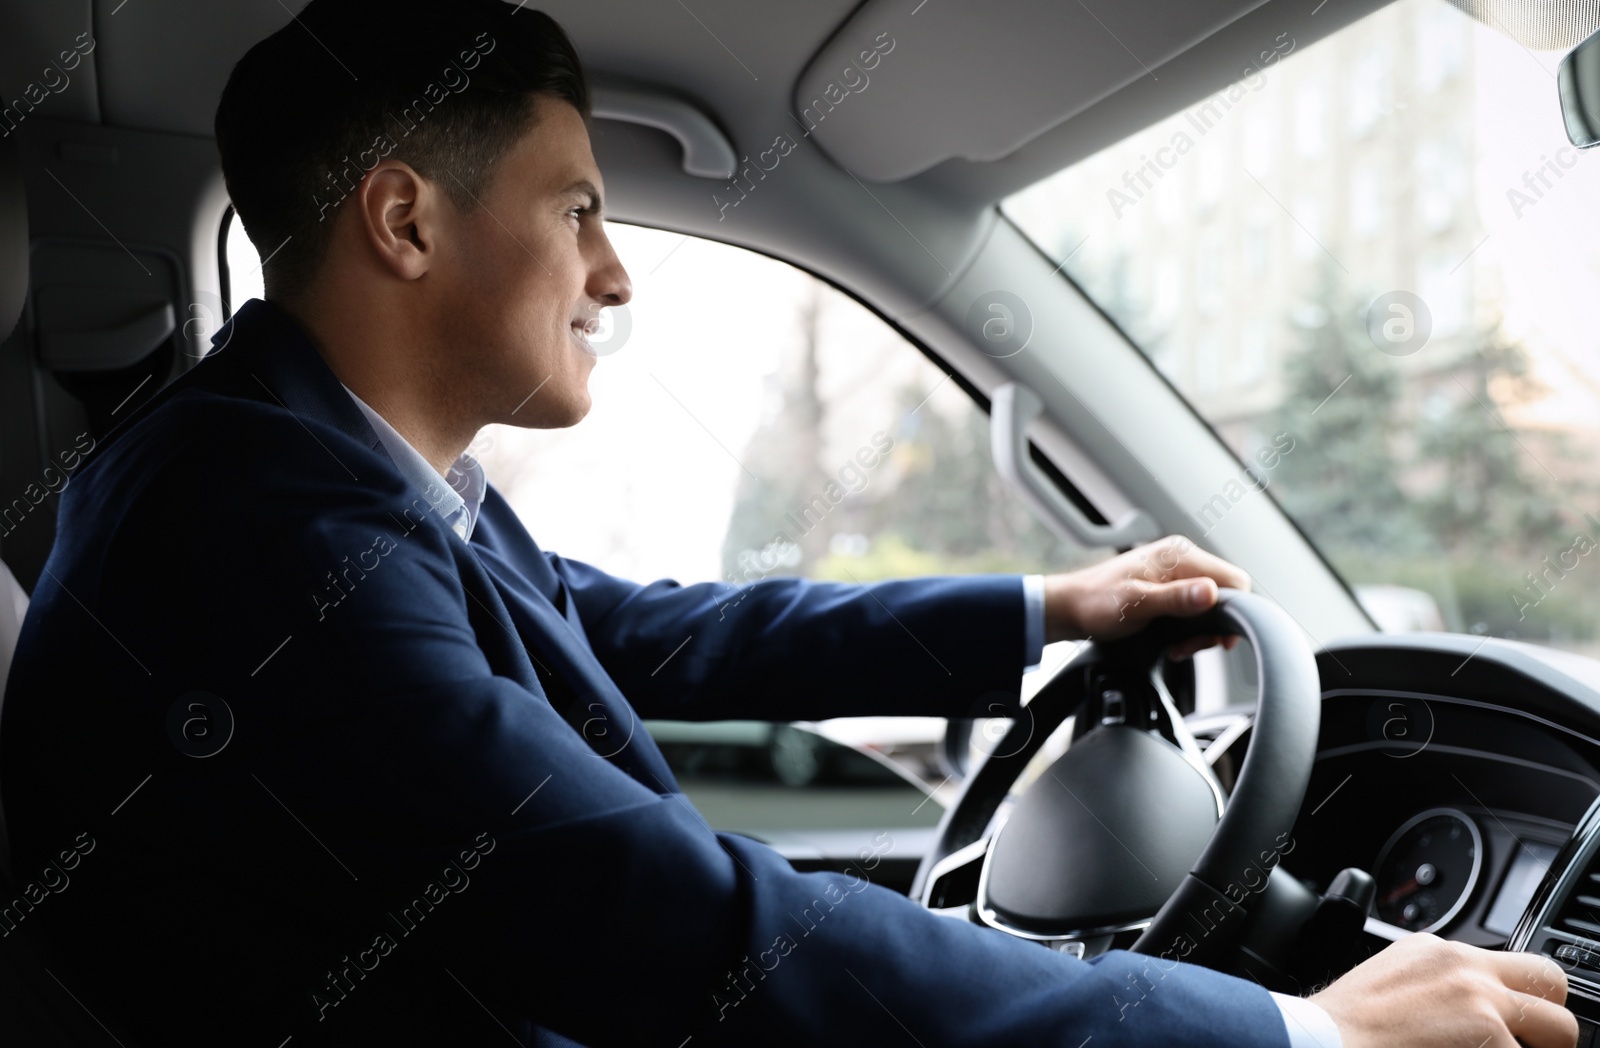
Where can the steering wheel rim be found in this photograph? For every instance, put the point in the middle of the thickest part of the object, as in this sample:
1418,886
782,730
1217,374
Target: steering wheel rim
1264,803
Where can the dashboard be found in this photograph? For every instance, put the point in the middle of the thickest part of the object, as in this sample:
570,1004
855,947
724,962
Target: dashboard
1463,775
1455,806
1455,790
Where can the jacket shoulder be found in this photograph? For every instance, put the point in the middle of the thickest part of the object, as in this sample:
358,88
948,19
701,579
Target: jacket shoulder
204,455
202,425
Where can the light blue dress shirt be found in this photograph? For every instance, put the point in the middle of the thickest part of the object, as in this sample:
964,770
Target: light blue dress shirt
1033,621
1308,1024
458,496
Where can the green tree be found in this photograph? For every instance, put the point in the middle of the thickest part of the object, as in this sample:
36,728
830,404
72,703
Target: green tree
936,506
950,501
1491,492
782,466
1414,476
1341,406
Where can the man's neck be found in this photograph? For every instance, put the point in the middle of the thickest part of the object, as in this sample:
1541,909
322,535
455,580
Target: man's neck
379,363
440,445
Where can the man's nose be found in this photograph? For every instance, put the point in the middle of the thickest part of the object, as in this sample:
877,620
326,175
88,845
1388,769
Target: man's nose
608,281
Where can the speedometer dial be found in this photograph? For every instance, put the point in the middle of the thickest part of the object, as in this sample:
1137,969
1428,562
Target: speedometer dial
1427,871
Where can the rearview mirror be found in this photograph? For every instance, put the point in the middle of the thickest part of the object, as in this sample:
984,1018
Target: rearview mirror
1579,83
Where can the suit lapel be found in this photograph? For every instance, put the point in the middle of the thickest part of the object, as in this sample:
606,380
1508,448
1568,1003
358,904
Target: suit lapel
578,685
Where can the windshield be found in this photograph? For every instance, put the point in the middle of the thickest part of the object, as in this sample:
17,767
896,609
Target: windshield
1375,257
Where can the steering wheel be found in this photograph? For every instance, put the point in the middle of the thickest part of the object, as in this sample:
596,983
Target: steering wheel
1128,831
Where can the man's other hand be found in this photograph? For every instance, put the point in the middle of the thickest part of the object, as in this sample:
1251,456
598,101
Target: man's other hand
1117,597
1424,991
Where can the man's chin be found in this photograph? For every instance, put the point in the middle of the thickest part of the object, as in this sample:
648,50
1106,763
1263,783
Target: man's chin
580,409
568,408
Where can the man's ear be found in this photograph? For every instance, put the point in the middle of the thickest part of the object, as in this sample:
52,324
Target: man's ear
398,213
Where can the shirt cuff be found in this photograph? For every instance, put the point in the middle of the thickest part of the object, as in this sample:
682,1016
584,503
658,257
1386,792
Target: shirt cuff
1032,621
1308,1024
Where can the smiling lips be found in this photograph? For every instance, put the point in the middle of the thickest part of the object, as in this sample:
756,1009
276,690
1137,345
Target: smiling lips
582,330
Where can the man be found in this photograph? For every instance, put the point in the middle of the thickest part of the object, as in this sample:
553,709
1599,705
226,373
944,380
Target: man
329,752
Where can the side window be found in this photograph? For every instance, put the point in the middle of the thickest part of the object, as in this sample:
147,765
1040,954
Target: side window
750,421
242,265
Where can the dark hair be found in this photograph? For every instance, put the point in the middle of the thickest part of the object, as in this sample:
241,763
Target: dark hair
447,86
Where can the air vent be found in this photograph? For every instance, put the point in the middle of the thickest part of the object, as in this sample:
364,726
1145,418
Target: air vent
1563,919
1579,915
1563,922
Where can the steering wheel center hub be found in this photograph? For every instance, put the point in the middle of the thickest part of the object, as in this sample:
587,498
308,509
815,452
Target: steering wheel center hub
1102,838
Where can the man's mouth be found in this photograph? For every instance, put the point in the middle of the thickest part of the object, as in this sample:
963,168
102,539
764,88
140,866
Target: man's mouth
582,330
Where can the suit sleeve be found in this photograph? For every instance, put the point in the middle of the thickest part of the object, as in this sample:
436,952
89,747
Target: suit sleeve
796,649
610,913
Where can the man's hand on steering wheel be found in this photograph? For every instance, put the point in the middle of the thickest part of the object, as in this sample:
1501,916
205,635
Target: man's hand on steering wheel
1116,597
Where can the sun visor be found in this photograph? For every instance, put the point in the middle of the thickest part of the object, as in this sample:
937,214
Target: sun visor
893,94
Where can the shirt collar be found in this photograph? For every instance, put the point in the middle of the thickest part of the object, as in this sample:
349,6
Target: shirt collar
457,499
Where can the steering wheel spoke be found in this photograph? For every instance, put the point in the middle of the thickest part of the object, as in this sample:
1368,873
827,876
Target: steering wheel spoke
953,890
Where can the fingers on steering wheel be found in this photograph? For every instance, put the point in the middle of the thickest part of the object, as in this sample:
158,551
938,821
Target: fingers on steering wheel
1192,562
1185,649
1531,1002
1530,974
1537,1022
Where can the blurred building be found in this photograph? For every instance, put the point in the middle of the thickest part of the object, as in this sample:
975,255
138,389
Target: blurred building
1209,236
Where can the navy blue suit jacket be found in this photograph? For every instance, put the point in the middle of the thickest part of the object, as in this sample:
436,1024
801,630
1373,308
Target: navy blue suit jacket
284,756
